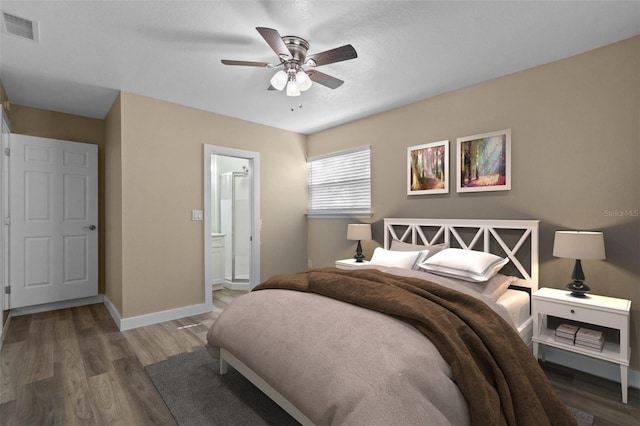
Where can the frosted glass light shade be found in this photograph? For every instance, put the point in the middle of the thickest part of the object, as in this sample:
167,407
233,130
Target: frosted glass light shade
292,88
582,245
303,81
279,80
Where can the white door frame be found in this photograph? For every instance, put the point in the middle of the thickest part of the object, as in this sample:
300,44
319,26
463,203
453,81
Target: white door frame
254,174
4,212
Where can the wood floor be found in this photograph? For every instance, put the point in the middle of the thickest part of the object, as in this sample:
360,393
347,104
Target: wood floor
73,366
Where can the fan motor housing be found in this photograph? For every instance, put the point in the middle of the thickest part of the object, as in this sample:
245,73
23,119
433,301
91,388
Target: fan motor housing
297,46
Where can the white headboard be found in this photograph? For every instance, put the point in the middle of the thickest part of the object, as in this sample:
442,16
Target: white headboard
515,239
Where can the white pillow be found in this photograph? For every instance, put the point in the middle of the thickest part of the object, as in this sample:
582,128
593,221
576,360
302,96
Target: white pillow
399,259
426,250
469,265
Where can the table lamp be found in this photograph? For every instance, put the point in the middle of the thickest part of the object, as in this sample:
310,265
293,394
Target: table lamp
359,232
578,245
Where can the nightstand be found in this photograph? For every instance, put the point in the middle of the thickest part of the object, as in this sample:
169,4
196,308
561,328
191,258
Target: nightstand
351,264
600,311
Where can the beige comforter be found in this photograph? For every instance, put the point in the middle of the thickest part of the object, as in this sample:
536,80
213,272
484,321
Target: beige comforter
343,364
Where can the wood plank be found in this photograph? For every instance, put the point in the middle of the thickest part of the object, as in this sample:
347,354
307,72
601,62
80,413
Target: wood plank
83,321
39,356
166,338
73,382
7,412
112,406
147,349
141,393
64,329
184,333
11,366
116,346
39,403
99,312
93,355
18,329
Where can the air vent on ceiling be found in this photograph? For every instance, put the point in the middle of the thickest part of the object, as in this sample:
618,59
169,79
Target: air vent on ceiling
20,27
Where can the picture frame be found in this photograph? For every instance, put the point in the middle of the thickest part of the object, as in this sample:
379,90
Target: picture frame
483,162
428,168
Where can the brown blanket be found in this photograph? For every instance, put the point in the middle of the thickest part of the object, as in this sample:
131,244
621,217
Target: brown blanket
494,369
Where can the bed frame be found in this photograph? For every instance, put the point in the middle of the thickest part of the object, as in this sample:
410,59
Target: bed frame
497,237
515,239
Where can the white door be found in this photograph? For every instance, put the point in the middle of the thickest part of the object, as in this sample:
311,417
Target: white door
53,204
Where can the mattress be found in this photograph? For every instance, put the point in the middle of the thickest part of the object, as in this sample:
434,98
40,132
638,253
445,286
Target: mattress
516,302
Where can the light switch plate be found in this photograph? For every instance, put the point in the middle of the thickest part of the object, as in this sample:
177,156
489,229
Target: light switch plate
196,214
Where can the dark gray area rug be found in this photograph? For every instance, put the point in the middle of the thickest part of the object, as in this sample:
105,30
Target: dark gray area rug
197,395
583,419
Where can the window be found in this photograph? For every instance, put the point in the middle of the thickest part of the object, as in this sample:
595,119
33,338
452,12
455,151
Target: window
340,184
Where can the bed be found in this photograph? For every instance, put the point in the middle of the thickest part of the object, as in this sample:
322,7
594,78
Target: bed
402,340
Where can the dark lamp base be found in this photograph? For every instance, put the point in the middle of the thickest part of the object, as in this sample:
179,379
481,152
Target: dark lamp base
359,256
578,288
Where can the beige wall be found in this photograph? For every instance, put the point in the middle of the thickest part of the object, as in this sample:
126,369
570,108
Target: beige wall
56,125
4,101
575,151
113,205
161,162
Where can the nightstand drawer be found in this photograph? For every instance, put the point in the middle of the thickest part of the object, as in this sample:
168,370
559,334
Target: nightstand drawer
575,313
582,313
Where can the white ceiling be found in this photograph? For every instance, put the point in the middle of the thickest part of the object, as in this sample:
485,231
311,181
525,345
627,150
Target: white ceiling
171,50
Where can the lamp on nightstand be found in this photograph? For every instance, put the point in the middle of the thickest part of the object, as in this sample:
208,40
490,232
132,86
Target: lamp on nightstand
359,232
578,245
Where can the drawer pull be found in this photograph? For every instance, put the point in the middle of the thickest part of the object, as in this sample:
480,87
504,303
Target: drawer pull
573,312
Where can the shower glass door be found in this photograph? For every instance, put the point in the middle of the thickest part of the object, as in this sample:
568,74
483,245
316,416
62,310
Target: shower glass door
235,224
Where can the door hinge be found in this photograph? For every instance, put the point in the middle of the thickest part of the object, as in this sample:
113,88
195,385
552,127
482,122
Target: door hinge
7,152
7,290
7,221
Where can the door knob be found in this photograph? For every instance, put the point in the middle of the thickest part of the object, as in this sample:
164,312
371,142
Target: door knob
90,227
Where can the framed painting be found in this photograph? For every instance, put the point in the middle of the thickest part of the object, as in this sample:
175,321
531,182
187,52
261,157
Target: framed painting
428,168
484,162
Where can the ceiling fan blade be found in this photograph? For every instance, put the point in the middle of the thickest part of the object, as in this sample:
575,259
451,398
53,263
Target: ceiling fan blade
247,63
272,37
338,54
324,79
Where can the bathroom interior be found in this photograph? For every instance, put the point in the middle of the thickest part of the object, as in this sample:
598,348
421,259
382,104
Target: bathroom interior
231,222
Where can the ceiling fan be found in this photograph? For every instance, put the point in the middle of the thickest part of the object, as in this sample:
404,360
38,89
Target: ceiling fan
292,54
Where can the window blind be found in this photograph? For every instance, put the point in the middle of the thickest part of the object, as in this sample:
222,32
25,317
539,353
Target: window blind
340,184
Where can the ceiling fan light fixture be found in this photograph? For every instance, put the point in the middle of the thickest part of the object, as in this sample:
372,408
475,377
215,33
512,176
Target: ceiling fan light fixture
292,88
303,81
279,80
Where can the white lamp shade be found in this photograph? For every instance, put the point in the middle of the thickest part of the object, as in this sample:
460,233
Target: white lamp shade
279,80
292,88
303,80
579,245
359,231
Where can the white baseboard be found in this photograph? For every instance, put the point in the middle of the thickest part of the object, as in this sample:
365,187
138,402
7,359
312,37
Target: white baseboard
113,311
155,317
592,366
46,307
236,286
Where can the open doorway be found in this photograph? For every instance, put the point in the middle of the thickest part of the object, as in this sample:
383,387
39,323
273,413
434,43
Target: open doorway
232,219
